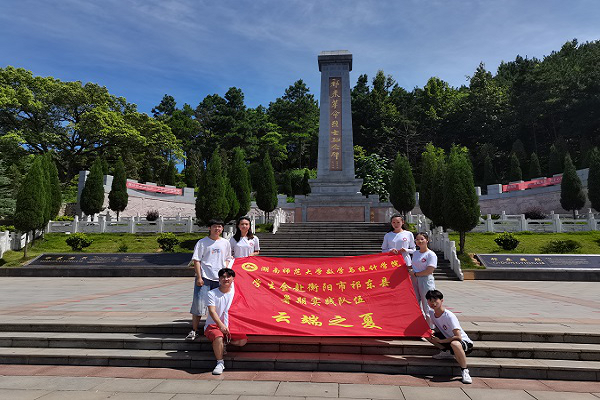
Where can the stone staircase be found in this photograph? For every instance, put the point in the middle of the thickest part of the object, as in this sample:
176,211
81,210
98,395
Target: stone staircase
552,354
333,239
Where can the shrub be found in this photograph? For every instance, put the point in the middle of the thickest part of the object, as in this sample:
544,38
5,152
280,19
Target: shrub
64,218
495,216
77,241
561,246
152,215
507,241
167,241
123,248
535,213
7,228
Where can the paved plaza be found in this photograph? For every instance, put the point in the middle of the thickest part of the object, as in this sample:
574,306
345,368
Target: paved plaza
511,306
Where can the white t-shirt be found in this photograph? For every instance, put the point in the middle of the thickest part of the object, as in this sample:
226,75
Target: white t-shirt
244,247
400,240
447,323
420,261
213,256
222,302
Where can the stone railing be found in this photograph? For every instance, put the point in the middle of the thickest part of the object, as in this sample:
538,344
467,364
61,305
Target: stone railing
101,224
439,241
4,242
554,224
279,217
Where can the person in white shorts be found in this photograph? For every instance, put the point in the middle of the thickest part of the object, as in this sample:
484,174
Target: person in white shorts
244,243
448,335
399,240
211,254
424,262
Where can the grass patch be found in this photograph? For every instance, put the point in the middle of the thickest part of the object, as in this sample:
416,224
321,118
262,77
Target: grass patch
529,243
103,243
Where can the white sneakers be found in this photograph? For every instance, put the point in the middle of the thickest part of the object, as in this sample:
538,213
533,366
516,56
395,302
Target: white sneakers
221,366
466,378
443,355
192,335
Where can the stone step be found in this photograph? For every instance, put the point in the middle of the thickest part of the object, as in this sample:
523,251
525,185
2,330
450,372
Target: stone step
290,361
494,349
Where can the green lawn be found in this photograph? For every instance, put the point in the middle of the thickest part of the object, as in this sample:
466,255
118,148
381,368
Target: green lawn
529,243
103,243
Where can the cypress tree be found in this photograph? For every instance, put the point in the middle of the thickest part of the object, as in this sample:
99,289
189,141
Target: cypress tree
240,182
46,187
305,185
515,173
212,201
593,182
55,192
104,163
572,196
461,204
555,164
432,179
402,185
534,167
489,176
189,176
92,195
118,197
519,150
146,174
438,216
31,202
266,188
234,204
170,174
287,185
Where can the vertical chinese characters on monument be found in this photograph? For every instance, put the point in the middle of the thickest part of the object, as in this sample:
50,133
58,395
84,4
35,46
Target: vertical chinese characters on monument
335,124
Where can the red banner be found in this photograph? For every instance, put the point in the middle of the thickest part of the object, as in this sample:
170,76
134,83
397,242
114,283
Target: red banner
154,188
368,295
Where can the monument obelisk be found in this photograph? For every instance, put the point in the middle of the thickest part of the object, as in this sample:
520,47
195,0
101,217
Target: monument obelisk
335,193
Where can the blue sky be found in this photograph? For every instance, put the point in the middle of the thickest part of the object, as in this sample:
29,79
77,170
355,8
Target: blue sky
142,49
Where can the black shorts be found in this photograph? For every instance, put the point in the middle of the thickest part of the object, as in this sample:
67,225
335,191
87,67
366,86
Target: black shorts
467,346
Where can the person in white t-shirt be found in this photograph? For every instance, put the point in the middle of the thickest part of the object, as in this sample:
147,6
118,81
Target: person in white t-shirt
216,328
211,254
448,335
424,262
399,240
244,243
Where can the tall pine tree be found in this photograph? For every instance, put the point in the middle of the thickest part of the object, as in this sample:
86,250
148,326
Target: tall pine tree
92,195
534,167
572,196
239,178
489,176
31,202
266,188
211,202
402,185
461,204
594,179
515,173
432,181
118,197
305,184
555,163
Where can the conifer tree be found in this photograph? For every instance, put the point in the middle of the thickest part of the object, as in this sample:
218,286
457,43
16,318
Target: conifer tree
432,181
534,167
118,197
593,182
146,174
461,204
572,196
170,174
92,195
489,176
104,163
402,185
240,182
46,189
55,190
305,185
555,164
189,176
515,173
519,150
287,185
211,201
31,202
266,188
234,204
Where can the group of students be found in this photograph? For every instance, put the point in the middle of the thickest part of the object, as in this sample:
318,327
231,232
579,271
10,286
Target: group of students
214,288
447,334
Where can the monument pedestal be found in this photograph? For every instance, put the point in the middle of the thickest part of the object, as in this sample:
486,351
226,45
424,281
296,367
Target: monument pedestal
335,194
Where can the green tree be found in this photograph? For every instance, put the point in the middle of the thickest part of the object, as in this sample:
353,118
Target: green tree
240,181
287,185
92,195
46,187
534,167
572,195
461,204
519,150
373,170
266,188
7,201
30,205
433,167
170,174
515,169
232,201
118,197
55,188
555,163
402,185
211,201
305,184
593,182
489,176
105,169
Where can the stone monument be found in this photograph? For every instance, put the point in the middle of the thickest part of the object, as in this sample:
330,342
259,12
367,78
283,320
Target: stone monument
335,193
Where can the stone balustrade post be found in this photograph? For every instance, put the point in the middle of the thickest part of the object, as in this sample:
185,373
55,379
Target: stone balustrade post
523,226
190,224
556,224
592,225
75,224
161,224
503,216
489,223
102,223
131,225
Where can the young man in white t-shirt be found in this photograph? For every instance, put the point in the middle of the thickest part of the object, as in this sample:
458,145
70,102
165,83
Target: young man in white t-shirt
211,254
216,328
449,335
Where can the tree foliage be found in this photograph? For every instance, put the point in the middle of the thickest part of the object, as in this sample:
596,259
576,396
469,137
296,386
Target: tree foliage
534,167
433,167
572,195
211,201
593,182
118,197
266,188
515,169
92,195
402,185
31,202
374,171
240,182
